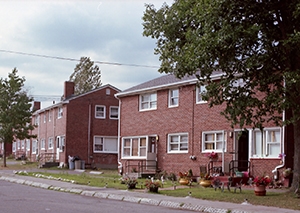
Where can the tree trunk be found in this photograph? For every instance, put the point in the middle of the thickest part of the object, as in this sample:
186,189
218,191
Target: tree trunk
296,159
4,155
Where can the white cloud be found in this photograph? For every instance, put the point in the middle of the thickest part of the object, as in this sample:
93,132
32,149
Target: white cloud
107,31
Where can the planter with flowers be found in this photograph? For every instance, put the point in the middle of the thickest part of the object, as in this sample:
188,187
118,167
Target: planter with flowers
130,182
287,173
213,156
152,185
260,184
185,178
205,180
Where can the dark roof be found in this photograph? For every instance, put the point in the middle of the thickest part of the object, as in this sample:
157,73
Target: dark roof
165,81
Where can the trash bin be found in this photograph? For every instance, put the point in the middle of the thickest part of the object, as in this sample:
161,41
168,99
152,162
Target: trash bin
82,164
71,164
78,164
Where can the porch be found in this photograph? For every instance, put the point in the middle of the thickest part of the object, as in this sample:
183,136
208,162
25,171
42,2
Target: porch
47,160
140,168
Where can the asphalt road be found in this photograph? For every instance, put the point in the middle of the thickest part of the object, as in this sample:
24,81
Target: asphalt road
22,198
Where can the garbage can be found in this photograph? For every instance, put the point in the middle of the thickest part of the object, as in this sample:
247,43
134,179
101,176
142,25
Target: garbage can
78,164
71,164
82,164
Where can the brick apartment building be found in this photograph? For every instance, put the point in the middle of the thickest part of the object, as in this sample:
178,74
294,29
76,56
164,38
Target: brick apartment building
85,126
164,123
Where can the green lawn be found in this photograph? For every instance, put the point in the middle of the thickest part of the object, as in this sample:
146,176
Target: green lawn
111,179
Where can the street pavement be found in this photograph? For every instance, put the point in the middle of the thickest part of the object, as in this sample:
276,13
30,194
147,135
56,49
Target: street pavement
137,196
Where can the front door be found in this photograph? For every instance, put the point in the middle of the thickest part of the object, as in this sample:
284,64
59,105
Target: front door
151,154
57,147
243,150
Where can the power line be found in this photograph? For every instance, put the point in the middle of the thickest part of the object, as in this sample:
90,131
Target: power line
72,59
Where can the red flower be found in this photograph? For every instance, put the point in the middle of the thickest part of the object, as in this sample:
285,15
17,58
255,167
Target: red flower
212,155
262,180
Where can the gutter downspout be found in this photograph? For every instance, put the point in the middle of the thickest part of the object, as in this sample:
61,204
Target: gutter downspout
89,134
275,171
120,166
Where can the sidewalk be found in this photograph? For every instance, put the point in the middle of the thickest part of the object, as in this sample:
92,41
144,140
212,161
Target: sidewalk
187,203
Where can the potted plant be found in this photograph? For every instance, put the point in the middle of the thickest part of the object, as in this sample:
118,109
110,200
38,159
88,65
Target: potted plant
260,184
205,180
152,185
184,178
213,156
130,182
287,173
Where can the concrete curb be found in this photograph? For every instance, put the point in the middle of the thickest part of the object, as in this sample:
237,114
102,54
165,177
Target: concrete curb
188,203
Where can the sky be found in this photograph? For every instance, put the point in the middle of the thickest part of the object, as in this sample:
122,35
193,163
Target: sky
104,30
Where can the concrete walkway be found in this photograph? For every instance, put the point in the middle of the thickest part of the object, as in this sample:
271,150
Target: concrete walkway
187,203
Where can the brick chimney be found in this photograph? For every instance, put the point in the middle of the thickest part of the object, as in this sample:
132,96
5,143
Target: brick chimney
36,105
69,89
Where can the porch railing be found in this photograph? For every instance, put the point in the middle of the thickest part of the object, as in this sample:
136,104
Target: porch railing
140,166
46,157
239,165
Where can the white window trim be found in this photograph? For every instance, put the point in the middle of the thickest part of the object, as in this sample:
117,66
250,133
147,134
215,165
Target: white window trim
197,94
50,138
178,134
27,144
110,114
49,116
59,112
265,153
224,142
105,137
104,112
43,144
34,148
149,102
134,157
61,139
171,98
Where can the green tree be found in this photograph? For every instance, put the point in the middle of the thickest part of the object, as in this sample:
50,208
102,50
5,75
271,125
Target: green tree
86,76
256,41
15,111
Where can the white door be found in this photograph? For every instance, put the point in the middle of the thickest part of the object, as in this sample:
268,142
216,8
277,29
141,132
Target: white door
57,147
151,155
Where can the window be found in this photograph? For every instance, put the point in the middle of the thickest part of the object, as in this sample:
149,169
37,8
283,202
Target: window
36,120
18,145
43,144
45,115
213,141
60,143
27,144
100,111
134,147
178,143
22,144
173,97
50,116
34,146
266,145
107,91
14,146
148,101
200,91
105,144
60,112
114,113
50,143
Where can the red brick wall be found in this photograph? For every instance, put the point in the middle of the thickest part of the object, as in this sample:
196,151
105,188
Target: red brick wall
188,117
74,125
79,138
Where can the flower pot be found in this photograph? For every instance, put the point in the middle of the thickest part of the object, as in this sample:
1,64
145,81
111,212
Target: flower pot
153,189
260,190
184,181
205,183
131,186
